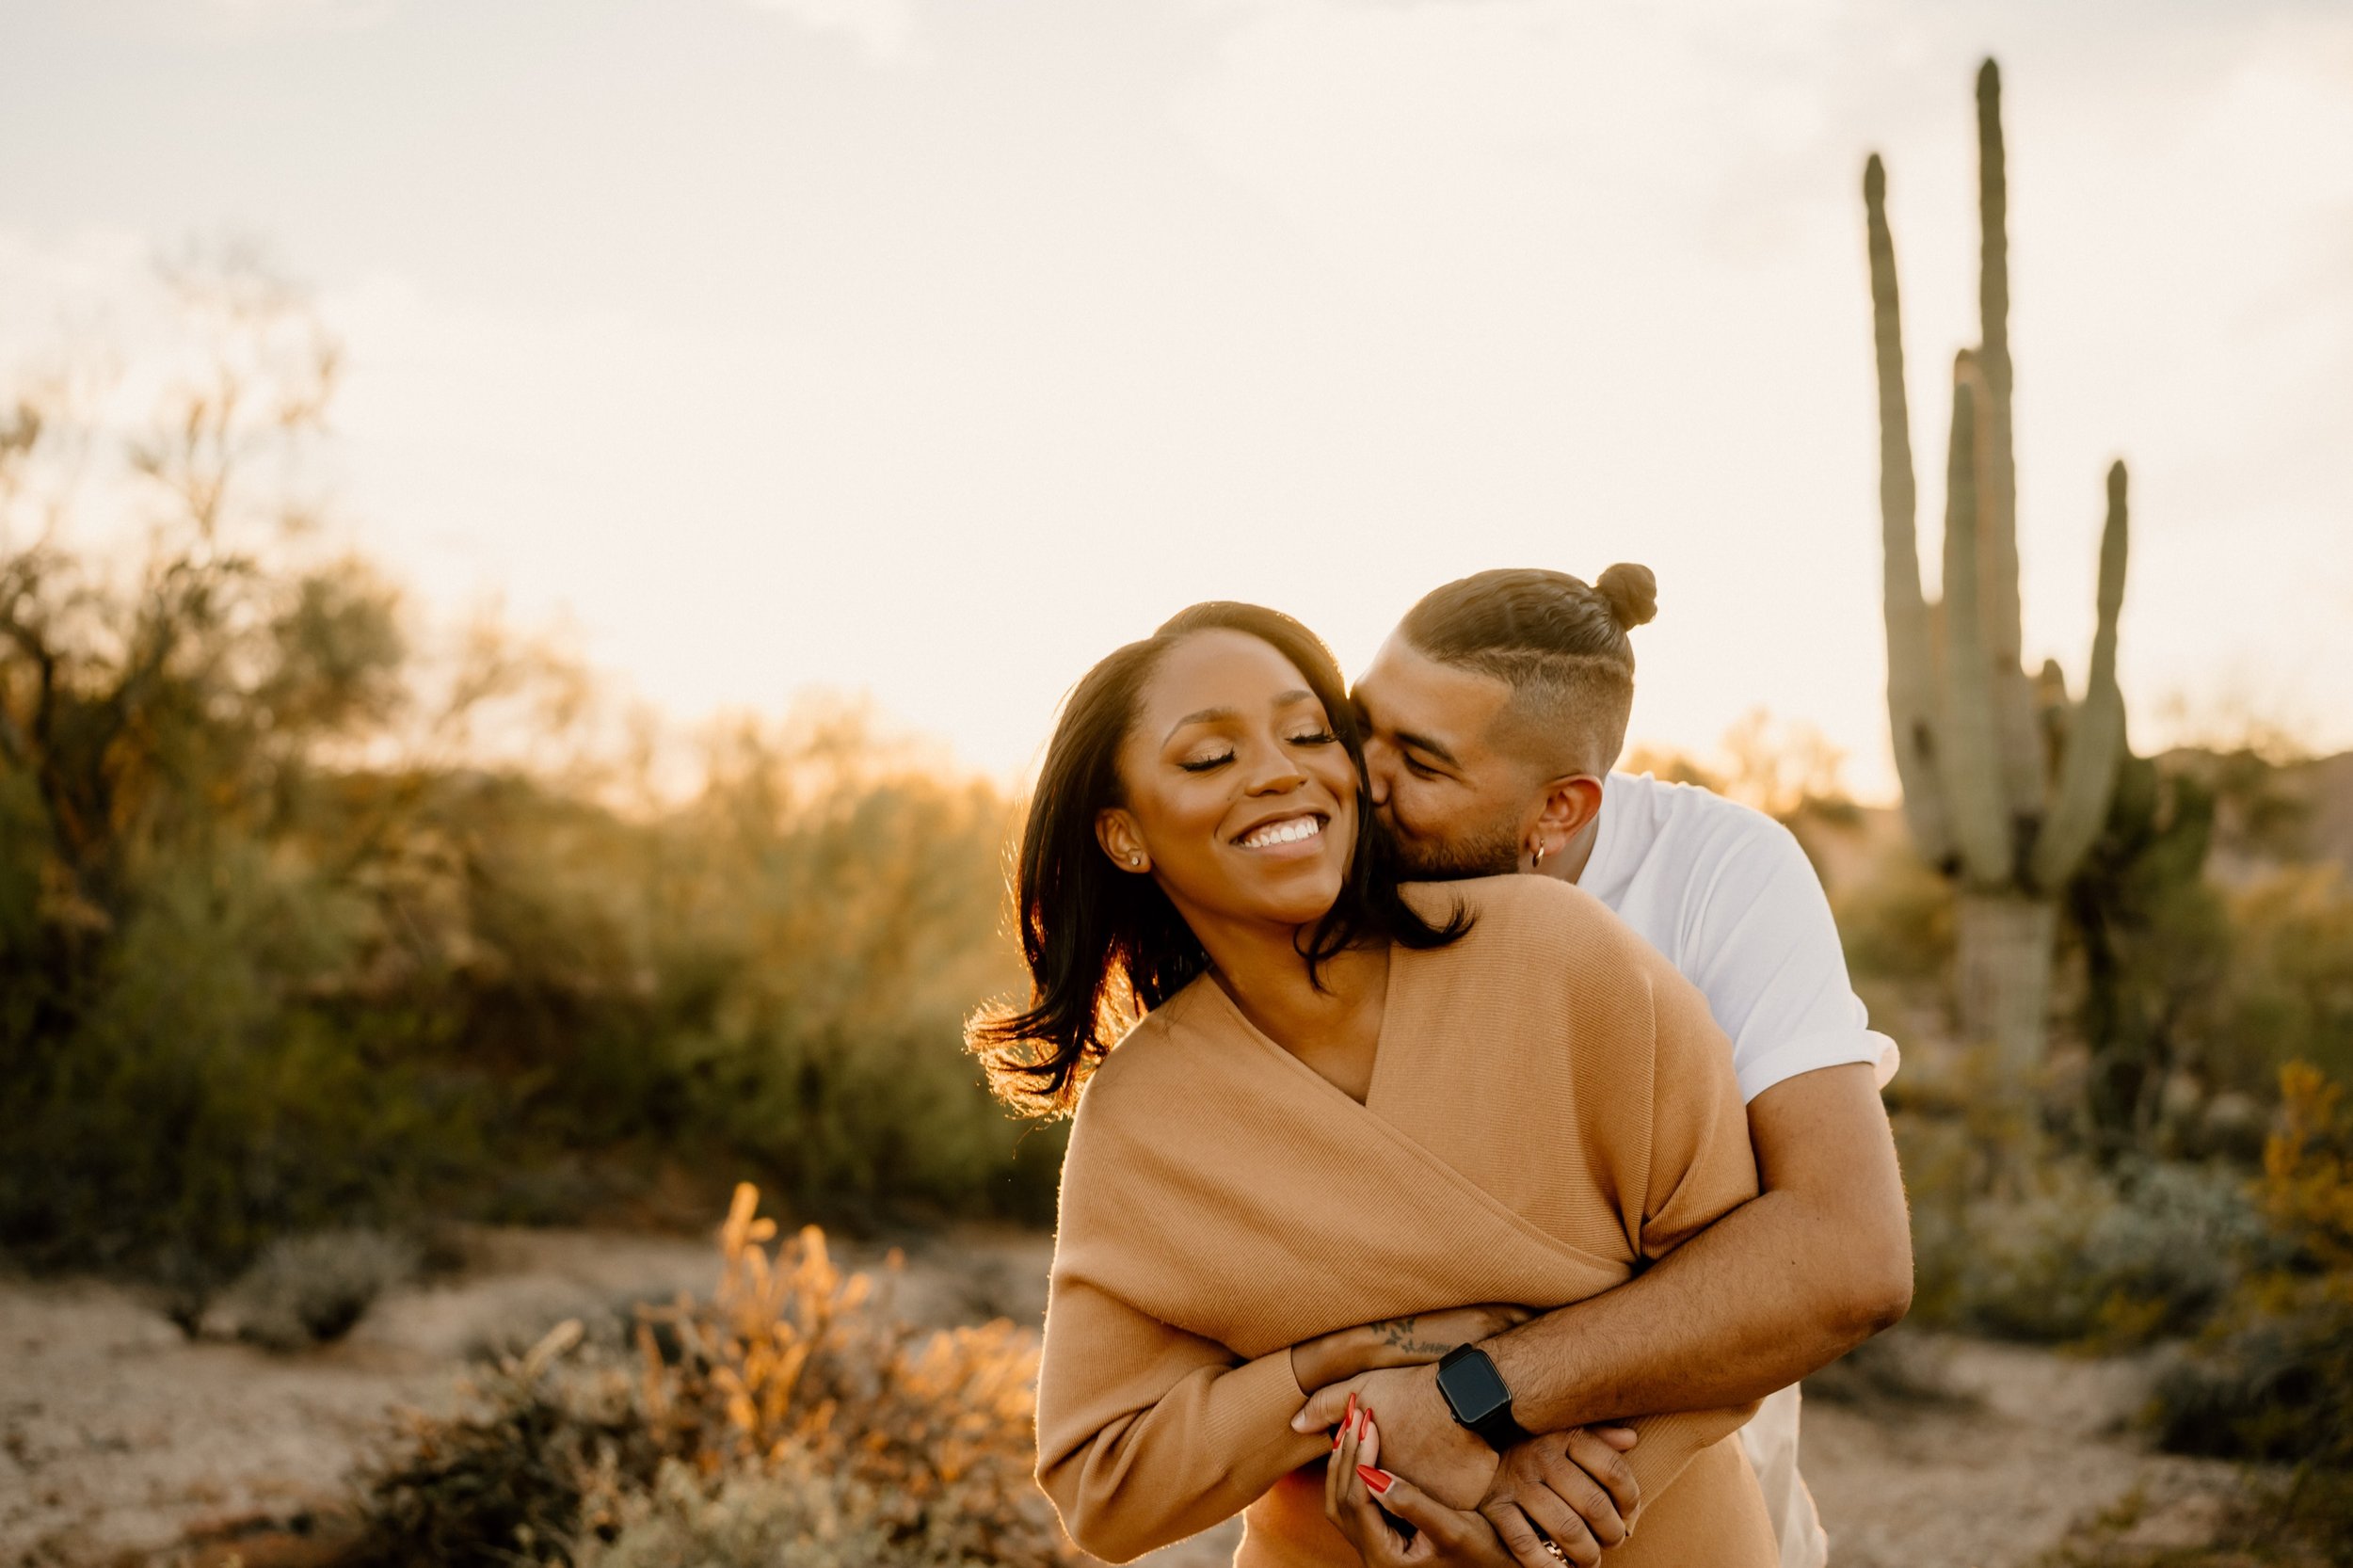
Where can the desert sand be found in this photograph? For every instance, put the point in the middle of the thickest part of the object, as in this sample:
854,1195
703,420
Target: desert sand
122,1442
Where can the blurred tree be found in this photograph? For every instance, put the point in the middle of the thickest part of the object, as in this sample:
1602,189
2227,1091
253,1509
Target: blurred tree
306,923
156,721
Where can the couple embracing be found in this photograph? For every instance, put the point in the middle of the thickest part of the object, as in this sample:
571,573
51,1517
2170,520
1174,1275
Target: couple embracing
1472,1146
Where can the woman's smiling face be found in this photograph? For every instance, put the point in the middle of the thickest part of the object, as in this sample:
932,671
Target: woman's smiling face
1237,797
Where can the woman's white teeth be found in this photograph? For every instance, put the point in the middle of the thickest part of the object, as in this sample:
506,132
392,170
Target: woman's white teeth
1283,833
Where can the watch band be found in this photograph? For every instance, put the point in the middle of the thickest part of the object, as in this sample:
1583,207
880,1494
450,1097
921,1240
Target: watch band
1499,1430
1495,1424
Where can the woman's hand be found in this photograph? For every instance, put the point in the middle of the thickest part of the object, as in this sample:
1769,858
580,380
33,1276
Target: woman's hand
1449,1462
1409,1341
1440,1537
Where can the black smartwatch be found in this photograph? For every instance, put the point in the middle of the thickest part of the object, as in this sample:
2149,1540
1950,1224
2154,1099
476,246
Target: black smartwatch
1474,1391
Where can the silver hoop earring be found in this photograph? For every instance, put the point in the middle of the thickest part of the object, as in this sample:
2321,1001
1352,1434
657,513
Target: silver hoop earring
1539,858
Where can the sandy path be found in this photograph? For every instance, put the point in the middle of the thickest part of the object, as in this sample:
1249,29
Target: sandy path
117,1435
2042,1444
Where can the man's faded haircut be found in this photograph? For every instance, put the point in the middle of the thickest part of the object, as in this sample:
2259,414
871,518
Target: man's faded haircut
1559,642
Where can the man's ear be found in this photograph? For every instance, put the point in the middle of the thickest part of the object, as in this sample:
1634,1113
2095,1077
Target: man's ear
1571,801
1115,830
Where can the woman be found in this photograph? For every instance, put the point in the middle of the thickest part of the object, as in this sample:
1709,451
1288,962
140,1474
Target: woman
1344,1101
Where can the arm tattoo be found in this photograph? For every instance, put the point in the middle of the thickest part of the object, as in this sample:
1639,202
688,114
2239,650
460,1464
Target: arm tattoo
1400,1334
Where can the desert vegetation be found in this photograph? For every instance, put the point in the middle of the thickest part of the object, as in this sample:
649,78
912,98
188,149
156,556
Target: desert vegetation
315,917
787,1417
328,932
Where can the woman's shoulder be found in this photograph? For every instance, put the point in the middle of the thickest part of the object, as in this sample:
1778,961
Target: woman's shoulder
1519,908
1519,920
1138,1068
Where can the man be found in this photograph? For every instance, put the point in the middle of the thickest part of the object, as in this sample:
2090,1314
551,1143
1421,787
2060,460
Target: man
1493,716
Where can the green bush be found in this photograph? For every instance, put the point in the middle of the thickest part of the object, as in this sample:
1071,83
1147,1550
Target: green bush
310,920
2115,1259
2273,1381
2289,993
2273,1377
519,1006
201,1103
2081,1255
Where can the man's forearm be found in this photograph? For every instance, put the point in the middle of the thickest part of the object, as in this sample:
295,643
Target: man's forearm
1776,1289
1728,1317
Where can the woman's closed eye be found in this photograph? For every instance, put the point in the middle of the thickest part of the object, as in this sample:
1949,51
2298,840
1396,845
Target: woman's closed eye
1318,737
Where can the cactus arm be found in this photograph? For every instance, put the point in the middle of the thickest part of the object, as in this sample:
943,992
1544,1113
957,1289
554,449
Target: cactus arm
2095,741
1911,651
2016,720
1972,773
1992,357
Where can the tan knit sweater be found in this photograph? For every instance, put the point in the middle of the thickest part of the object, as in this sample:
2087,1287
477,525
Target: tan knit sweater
1551,1104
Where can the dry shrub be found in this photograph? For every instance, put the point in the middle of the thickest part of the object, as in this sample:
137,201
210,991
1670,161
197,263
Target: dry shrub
2116,1259
2308,1170
310,1289
790,1418
503,1484
2273,1377
790,1515
2063,1250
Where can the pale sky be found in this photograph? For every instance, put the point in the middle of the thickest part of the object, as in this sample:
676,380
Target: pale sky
933,348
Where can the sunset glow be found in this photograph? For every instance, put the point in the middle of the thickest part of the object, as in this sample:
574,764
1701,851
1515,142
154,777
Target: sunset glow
930,350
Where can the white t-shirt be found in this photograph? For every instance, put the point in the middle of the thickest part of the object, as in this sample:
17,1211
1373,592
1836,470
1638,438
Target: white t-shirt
1727,895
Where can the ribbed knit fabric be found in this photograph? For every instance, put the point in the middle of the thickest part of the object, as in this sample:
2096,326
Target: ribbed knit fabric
1550,1104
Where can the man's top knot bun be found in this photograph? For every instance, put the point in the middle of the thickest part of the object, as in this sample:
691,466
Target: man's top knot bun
1631,592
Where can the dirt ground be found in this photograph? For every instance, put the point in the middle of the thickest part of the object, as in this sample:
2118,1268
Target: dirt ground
119,1438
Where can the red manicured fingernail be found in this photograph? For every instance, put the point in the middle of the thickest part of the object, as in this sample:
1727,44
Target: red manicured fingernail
1347,1416
1377,1480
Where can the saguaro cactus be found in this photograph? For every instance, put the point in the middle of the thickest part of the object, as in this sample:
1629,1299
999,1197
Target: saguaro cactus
1985,799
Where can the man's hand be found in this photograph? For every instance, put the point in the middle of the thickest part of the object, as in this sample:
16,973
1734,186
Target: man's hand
1418,1431
1572,1486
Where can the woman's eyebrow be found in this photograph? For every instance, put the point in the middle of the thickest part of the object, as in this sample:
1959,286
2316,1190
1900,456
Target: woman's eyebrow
1206,716
1213,715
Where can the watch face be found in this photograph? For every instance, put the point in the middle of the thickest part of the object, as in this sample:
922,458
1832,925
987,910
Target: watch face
1473,1387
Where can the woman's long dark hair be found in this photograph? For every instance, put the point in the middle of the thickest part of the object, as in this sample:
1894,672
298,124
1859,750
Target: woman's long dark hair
1105,945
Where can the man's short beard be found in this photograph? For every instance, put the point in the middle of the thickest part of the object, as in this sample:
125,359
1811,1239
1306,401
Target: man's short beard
1491,852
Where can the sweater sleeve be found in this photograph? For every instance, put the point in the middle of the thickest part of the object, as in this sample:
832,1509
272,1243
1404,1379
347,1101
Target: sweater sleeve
1123,1396
1701,1169
1701,1165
